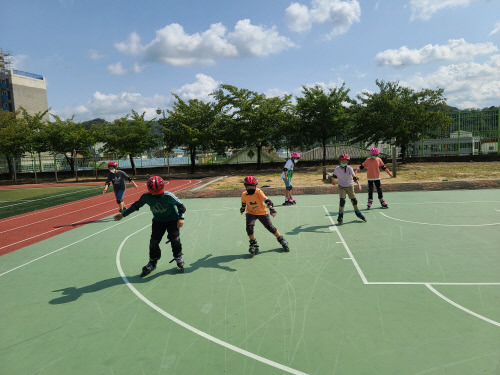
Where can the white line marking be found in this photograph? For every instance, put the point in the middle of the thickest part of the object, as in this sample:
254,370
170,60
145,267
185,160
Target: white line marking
425,283
73,243
208,183
52,196
461,307
191,328
441,225
497,210
358,268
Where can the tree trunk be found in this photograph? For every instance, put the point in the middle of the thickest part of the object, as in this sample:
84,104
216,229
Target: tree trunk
11,169
403,153
132,164
192,155
259,157
71,162
324,159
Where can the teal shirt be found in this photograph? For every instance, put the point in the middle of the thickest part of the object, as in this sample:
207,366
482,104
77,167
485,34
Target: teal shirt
165,207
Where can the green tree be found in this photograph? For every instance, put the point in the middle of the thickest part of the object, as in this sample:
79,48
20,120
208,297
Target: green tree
190,124
130,135
254,120
65,137
397,113
14,138
323,114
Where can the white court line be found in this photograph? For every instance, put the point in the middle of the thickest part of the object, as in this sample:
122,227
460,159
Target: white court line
425,283
52,196
441,225
73,243
358,268
461,307
208,183
193,329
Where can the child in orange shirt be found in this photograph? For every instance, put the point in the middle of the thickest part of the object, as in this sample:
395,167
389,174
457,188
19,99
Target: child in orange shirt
254,201
372,165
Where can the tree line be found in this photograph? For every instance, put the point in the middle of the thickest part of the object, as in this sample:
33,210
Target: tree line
236,118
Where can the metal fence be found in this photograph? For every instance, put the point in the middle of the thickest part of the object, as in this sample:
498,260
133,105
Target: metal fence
471,133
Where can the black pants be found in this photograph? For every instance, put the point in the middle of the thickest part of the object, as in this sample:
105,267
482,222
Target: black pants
370,189
157,233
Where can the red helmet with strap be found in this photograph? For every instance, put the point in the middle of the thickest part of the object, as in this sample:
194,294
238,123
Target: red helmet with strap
344,157
156,185
250,181
113,164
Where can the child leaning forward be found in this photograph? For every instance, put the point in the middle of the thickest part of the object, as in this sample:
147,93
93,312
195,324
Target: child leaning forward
254,202
346,178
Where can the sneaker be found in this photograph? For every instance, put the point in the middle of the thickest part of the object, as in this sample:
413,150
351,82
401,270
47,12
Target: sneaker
340,218
360,215
148,268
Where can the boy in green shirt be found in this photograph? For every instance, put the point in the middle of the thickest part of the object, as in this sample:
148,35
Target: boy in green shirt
168,216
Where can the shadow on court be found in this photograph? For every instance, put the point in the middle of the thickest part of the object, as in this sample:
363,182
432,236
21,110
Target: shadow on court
85,222
71,294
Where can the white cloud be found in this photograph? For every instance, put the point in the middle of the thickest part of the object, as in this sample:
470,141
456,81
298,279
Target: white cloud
456,49
496,30
424,9
467,85
173,46
116,69
95,55
113,106
200,89
339,15
18,61
251,40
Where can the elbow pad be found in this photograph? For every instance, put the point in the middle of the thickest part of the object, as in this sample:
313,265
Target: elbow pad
355,178
383,167
268,202
361,167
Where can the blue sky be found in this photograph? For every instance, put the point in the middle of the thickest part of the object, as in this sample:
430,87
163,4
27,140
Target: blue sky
102,58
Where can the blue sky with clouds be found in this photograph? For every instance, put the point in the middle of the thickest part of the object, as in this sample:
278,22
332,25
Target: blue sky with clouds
102,58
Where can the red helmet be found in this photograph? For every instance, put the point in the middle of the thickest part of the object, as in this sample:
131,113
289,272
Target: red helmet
344,157
250,181
156,185
113,164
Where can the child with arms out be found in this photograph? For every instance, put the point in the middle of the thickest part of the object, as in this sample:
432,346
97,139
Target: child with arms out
117,178
254,202
168,216
373,165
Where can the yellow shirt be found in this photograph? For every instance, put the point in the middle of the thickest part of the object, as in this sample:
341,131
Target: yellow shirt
255,202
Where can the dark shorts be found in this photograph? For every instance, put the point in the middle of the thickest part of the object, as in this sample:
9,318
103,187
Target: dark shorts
264,219
119,194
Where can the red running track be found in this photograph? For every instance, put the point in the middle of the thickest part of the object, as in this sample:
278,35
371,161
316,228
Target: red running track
22,230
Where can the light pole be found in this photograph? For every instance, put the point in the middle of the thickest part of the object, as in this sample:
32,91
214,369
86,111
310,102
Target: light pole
162,111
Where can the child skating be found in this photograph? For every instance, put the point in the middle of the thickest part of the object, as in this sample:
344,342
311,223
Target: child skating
117,178
346,178
286,175
373,165
168,216
254,201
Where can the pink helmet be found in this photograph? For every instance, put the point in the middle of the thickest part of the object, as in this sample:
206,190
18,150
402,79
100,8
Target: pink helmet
374,151
113,164
295,155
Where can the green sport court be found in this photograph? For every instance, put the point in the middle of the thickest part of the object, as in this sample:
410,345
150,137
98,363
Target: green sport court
414,290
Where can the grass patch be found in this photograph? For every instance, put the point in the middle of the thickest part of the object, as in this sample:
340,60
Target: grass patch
414,172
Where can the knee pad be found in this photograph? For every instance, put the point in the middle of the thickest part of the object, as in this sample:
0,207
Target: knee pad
289,187
249,229
354,201
342,202
117,201
271,228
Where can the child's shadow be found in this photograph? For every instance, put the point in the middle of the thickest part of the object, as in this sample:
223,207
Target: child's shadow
314,228
72,293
